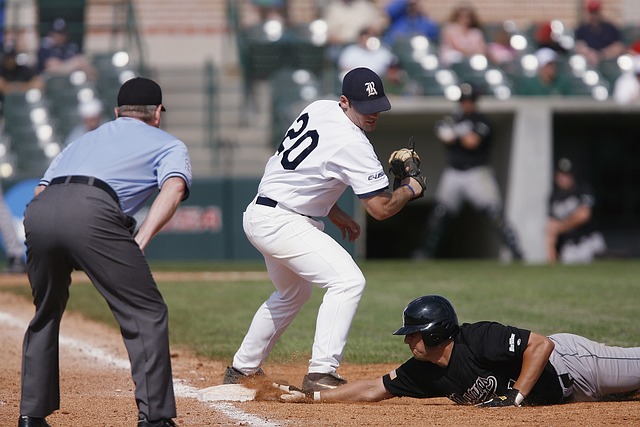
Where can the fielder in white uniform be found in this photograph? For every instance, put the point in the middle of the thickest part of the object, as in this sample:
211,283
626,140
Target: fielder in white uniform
324,151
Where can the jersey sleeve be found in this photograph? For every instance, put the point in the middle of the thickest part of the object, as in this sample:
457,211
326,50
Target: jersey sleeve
357,165
412,379
175,162
587,197
493,342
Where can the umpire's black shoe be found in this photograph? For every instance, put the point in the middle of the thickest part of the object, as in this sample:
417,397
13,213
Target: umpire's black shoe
165,422
234,376
26,421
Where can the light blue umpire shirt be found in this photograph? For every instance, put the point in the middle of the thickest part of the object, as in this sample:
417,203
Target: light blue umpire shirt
134,158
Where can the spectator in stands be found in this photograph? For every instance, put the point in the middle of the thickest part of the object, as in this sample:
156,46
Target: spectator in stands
15,74
57,54
407,18
461,36
572,236
90,113
368,52
499,50
596,38
545,37
547,80
626,89
347,18
270,10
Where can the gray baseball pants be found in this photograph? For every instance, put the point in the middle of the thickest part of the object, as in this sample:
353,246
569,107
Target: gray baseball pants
596,370
77,226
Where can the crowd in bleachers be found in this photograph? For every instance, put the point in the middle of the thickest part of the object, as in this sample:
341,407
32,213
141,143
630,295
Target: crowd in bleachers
50,96
428,57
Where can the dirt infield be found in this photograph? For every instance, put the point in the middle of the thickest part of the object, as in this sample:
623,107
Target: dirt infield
97,390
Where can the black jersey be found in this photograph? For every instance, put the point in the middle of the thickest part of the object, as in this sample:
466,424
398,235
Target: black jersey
462,158
485,362
563,203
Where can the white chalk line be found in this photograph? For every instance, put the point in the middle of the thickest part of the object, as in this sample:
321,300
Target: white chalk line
180,387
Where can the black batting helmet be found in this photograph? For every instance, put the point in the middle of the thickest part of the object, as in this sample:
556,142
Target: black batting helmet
431,315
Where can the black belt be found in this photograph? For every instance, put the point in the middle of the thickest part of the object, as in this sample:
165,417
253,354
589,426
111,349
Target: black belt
566,379
88,180
265,201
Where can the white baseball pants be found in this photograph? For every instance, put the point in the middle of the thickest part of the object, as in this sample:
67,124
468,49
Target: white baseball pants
299,255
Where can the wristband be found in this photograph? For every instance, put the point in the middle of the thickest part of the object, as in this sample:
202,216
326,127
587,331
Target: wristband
519,399
316,396
410,188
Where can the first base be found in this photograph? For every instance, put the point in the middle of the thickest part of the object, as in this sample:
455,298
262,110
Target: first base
226,392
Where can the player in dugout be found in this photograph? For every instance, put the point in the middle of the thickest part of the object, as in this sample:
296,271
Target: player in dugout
488,364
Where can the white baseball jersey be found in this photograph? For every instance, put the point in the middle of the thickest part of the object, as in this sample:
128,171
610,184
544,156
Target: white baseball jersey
321,154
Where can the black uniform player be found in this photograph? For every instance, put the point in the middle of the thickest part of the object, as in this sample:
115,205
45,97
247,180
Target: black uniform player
486,363
489,364
468,175
572,236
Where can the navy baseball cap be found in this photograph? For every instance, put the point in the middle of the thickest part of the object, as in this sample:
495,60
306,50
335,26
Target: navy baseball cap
364,89
140,91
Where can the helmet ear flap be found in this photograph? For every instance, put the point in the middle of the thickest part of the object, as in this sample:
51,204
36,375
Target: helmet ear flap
437,335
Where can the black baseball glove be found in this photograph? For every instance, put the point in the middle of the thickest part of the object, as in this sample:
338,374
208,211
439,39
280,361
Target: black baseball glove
404,163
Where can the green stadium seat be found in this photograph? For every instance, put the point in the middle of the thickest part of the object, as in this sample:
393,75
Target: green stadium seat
292,90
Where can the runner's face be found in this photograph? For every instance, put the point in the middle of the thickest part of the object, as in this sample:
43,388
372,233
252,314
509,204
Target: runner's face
424,353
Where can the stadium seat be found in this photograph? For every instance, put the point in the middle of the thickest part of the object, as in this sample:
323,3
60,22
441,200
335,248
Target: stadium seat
610,70
292,90
630,34
308,47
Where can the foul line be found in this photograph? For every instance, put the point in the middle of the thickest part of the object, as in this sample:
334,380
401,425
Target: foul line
180,387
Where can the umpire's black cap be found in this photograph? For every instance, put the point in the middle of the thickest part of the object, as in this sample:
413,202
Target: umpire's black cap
364,89
140,91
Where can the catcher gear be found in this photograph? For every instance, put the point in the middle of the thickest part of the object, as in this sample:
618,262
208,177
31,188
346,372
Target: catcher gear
405,163
511,398
431,315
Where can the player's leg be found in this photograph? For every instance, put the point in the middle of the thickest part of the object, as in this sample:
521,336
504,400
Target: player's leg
50,277
269,230
448,201
299,243
598,370
272,318
483,193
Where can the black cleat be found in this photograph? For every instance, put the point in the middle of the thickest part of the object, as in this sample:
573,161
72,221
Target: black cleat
234,376
318,382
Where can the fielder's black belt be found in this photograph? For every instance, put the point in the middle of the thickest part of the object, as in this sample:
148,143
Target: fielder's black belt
265,201
88,180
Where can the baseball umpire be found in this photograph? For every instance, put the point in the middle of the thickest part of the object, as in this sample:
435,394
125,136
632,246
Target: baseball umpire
80,218
492,365
324,151
468,176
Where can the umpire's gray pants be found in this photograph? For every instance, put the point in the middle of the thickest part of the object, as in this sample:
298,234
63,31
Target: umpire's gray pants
75,226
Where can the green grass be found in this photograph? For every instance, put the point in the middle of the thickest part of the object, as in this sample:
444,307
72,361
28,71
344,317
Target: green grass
599,301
